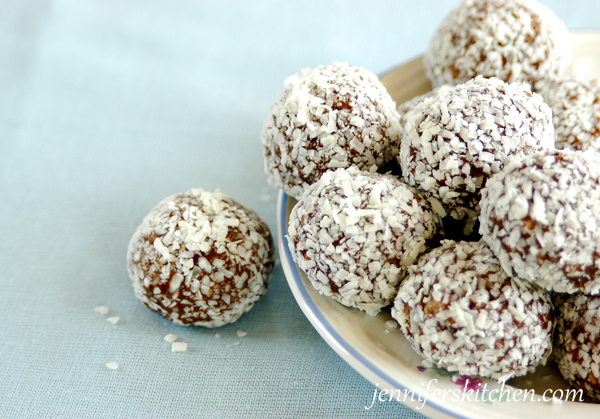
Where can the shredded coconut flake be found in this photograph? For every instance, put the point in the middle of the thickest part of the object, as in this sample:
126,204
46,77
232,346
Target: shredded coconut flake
171,338
102,309
113,320
179,347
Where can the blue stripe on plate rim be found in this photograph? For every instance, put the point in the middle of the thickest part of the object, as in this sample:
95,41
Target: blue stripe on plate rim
314,311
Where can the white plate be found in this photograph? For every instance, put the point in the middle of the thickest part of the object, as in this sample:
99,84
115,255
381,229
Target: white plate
382,355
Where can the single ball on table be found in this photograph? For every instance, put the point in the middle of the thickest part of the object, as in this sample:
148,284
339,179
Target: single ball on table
330,117
514,40
541,217
201,258
354,234
575,104
456,139
577,343
460,311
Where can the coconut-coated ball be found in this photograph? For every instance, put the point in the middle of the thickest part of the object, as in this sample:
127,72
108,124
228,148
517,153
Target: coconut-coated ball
354,234
329,117
575,104
514,40
541,217
200,257
460,310
454,140
577,343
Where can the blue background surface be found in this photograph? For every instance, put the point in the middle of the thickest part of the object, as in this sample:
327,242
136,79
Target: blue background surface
108,106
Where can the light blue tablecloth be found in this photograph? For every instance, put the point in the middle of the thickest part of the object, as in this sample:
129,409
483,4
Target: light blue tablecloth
106,107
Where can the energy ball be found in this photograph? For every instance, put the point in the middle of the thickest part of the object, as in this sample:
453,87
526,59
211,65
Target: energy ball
330,117
354,234
460,310
577,343
575,104
201,258
514,40
541,217
455,140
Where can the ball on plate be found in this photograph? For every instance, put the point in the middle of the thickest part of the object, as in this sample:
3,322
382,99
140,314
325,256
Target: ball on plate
354,234
541,217
453,141
575,104
200,257
460,311
326,118
577,343
514,40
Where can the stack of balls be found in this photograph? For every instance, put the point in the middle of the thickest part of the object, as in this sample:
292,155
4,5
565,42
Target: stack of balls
507,140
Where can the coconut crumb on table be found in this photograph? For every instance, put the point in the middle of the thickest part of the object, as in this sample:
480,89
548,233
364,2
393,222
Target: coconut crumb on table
112,365
170,338
265,194
240,333
102,309
179,347
113,320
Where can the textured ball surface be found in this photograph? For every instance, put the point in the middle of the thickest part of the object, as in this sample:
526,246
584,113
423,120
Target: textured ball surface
405,108
575,104
354,234
541,217
460,310
200,257
514,40
330,117
577,343
456,139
